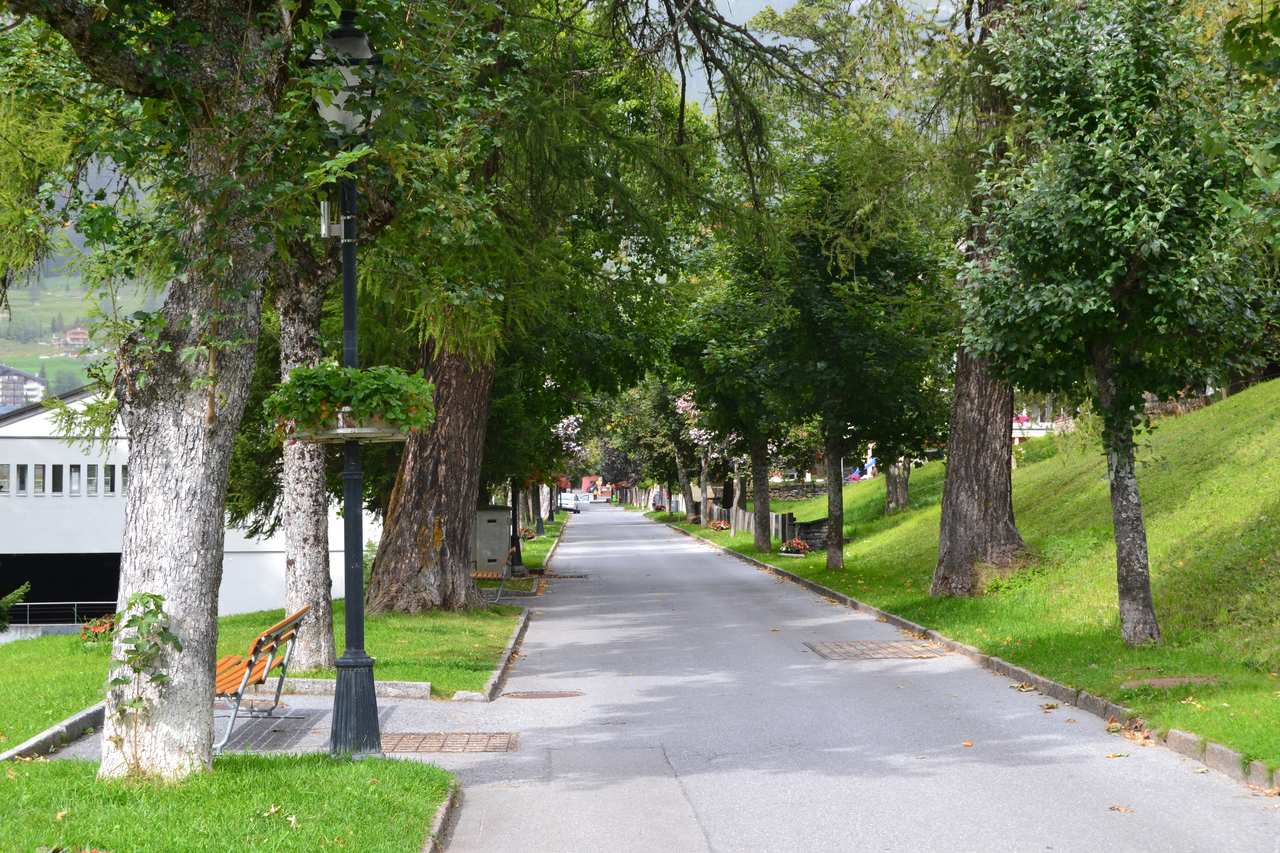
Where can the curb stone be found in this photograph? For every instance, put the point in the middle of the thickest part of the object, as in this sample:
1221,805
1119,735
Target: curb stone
435,834
58,734
1213,755
494,684
382,689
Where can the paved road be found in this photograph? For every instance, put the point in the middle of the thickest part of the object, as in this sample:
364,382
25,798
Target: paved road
706,724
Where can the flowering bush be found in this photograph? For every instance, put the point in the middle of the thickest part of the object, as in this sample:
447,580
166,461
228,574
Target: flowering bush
528,533
719,525
96,630
795,546
659,507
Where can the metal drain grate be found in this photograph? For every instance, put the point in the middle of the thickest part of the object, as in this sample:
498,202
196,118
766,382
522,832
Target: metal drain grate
449,742
876,650
565,577
542,694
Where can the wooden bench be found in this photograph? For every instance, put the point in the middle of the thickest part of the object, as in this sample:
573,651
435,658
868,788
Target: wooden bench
500,575
234,674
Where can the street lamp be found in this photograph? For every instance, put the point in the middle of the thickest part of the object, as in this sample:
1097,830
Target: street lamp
355,705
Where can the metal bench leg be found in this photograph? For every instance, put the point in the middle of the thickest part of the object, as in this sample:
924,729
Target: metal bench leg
235,712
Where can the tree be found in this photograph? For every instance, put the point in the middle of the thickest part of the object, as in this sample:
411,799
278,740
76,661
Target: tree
977,524
1110,263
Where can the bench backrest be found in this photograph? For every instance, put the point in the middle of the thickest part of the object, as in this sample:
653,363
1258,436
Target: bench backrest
278,634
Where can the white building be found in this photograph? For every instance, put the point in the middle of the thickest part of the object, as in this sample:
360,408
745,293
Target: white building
62,522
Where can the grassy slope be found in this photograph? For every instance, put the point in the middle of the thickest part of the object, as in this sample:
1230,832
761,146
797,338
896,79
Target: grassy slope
279,803
1212,502
47,679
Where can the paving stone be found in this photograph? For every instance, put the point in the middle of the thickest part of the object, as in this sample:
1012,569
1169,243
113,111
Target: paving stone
1225,760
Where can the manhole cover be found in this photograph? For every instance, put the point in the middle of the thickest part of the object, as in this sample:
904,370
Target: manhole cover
875,650
542,694
449,742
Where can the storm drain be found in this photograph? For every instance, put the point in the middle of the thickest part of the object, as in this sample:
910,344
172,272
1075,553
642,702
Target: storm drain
542,694
449,742
876,650
557,577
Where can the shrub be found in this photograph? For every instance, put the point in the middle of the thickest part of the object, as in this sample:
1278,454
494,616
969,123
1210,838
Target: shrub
795,546
9,600
719,525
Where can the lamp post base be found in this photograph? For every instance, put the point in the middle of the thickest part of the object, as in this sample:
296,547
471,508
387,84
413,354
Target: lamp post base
355,729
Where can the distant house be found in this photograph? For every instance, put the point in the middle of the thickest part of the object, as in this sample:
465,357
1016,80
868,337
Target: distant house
73,341
19,388
62,524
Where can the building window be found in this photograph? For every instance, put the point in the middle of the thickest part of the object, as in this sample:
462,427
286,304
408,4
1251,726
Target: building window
21,487
38,487
4,479
91,479
55,479
108,479
73,479
124,478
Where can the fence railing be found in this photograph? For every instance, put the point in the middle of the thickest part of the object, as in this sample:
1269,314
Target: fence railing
58,612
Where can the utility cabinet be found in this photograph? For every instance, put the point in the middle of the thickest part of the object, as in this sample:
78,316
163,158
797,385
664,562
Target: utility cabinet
491,538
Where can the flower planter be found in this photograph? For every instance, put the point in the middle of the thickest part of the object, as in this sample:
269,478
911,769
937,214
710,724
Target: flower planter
348,428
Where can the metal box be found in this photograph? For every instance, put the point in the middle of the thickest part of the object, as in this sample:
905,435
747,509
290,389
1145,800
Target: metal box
491,538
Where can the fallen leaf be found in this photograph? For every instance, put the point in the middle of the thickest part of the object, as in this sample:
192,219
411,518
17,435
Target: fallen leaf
1071,721
273,810
1117,755
1114,727
293,821
60,815
373,781
1121,809
1201,770
967,744
10,773
1049,706
774,630
1023,687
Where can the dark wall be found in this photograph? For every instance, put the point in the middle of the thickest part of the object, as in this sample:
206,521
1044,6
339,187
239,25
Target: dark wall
61,577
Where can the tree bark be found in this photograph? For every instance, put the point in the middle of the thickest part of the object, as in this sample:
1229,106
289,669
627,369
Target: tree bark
704,491
739,493
686,491
896,476
977,495
535,498
305,516
760,494
1138,623
835,504
425,557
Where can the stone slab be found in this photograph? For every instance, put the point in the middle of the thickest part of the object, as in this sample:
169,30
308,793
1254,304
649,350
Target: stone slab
58,734
1185,743
1225,760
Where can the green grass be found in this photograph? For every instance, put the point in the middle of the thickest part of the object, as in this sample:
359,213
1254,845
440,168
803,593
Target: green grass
454,651
248,802
47,679
533,553
1212,501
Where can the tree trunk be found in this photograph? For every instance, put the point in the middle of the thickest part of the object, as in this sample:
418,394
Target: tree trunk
425,557
977,495
535,499
299,302
896,475
686,491
760,493
835,504
1133,577
704,491
739,492
554,501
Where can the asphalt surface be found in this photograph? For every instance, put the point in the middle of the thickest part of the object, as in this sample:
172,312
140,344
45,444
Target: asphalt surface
706,724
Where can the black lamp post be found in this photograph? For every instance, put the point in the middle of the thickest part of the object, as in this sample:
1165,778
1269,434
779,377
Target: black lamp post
355,706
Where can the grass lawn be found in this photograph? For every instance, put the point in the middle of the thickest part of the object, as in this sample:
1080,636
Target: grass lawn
1212,501
48,679
454,651
248,802
534,552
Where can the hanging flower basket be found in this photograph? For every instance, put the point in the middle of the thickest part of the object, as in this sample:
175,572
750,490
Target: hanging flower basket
328,404
347,427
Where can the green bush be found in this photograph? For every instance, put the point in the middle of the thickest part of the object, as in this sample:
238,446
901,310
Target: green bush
312,396
9,600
